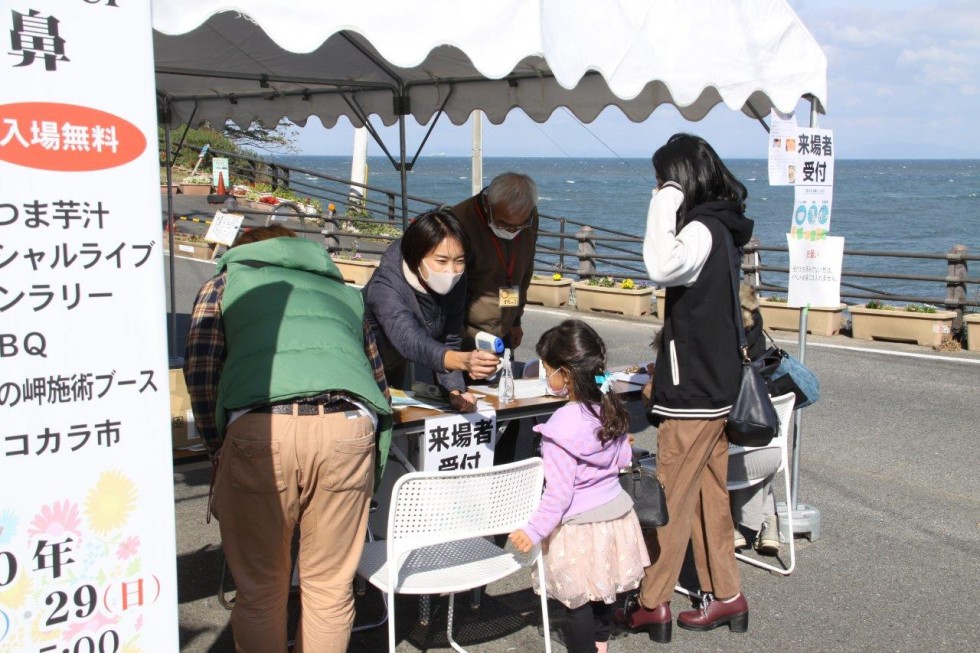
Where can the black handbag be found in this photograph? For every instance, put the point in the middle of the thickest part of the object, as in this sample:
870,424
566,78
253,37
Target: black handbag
784,373
752,420
647,492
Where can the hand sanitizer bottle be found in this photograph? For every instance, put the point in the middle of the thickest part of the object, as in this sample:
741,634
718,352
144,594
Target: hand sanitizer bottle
505,387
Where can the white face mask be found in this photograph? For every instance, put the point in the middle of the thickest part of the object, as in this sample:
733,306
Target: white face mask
561,392
502,234
441,282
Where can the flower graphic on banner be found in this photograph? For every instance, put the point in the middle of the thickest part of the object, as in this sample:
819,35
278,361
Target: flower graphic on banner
14,594
56,520
8,525
129,547
110,502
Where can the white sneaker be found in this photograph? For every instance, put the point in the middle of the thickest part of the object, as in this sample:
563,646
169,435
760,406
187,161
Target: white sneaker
768,539
740,542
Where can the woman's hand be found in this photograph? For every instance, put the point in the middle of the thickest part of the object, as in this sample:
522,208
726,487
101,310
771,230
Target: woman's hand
478,364
647,392
521,541
463,402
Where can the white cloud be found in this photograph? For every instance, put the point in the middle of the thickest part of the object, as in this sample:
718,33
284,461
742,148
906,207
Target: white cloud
932,54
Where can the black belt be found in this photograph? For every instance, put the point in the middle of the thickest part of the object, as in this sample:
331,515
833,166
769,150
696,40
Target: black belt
308,407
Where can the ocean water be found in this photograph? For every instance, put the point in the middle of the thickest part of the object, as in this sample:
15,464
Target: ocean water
915,206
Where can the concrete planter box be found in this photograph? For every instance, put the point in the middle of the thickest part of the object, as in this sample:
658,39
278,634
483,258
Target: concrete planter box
190,249
195,189
972,325
661,296
549,292
926,329
613,300
357,272
821,321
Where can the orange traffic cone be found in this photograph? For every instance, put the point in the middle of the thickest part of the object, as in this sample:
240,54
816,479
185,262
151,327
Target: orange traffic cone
221,184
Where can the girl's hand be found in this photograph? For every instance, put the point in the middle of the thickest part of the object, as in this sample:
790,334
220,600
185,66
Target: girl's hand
521,541
463,402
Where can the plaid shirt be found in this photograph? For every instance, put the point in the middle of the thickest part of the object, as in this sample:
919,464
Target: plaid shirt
205,358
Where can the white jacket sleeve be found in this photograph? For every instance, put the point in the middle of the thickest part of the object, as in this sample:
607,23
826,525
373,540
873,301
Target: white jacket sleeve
673,259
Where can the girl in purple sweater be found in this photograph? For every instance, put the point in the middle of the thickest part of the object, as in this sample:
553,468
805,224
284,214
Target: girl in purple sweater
590,537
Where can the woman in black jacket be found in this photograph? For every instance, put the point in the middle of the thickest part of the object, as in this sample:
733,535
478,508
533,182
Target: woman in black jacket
695,218
415,303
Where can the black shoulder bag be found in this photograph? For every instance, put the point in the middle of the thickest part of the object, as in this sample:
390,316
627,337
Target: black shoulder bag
649,500
752,421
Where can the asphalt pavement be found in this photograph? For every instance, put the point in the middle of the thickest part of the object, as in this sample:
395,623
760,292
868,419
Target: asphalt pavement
888,456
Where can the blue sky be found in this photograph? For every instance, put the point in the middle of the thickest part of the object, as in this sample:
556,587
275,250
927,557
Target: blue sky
904,82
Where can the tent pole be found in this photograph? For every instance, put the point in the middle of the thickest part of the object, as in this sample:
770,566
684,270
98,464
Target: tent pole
806,518
402,169
172,354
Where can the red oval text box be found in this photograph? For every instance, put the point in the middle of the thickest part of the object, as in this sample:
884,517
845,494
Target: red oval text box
129,140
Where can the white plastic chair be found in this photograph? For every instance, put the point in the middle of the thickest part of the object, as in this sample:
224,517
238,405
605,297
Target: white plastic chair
748,474
437,525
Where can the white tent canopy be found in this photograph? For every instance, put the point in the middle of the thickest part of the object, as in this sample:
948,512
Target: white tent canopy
255,59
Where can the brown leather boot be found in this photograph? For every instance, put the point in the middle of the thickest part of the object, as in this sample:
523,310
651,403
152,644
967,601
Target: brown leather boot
656,622
714,613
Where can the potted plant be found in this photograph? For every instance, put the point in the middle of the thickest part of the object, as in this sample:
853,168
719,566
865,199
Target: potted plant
354,267
607,294
552,291
190,245
919,323
971,323
821,320
196,185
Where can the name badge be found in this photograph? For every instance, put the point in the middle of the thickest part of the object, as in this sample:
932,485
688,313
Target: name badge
509,296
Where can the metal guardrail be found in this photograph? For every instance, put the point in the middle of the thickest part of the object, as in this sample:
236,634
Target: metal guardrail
358,221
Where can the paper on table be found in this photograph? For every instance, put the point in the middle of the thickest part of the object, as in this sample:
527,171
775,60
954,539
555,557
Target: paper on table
634,378
523,388
404,399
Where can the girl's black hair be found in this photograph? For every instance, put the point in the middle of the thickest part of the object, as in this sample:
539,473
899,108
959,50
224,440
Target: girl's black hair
426,232
694,165
575,347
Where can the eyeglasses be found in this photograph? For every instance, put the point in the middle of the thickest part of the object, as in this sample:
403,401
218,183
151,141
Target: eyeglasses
512,228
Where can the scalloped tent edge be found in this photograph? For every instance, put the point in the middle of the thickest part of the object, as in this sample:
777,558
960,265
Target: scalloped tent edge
247,60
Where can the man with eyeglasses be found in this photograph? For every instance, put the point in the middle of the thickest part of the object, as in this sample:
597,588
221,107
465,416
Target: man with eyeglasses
501,223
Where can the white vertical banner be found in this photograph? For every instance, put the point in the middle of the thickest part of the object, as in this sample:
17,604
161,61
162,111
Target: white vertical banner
814,271
87,556
454,442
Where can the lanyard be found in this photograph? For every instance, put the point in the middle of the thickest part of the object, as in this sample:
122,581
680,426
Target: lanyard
508,267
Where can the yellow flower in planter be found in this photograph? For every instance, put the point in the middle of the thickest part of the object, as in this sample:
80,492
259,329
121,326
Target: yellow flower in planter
556,276
627,284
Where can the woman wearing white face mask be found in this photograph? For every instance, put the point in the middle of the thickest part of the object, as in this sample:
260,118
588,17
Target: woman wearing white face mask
415,302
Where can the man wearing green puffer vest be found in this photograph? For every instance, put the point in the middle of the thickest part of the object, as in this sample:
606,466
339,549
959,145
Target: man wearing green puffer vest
288,392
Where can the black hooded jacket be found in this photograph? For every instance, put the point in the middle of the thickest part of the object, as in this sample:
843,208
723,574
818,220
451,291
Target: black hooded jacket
698,364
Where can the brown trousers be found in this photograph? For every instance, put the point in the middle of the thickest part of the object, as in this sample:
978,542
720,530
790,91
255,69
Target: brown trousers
277,471
692,463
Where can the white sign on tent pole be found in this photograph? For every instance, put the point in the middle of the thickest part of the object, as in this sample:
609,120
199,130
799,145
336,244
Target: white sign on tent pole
814,271
782,148
814,193
87,557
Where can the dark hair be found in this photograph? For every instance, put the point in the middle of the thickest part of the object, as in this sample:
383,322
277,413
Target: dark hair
693,164
576,347
426,232
263,233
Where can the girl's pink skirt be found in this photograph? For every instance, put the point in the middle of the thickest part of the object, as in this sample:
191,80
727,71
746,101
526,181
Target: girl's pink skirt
594,561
